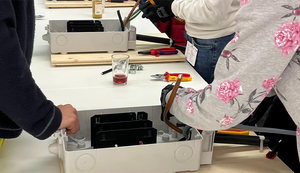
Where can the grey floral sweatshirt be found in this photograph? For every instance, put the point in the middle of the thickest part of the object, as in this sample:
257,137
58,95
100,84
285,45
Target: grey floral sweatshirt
263,59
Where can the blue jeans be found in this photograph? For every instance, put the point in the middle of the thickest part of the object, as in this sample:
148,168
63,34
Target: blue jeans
209,51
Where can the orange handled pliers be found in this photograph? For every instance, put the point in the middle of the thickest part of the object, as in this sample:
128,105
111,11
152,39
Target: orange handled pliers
173,76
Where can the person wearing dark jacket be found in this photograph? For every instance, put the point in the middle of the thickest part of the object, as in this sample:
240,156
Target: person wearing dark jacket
23,106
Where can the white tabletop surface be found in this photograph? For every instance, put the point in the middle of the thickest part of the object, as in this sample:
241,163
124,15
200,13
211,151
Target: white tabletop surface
84,87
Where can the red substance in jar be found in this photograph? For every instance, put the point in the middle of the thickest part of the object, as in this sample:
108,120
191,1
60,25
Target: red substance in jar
120,78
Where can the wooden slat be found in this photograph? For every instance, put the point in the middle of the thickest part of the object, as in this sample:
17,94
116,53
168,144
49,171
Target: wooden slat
80,4
74,59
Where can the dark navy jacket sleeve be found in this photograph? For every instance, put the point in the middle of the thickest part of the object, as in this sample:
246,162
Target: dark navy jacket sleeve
21,100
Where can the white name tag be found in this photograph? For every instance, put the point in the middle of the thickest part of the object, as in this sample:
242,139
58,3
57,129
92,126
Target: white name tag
191,53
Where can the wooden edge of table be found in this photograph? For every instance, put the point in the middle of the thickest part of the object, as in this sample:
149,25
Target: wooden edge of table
105,59
80,4
96,63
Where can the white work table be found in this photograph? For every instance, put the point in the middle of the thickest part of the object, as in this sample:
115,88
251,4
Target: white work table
84,86
86,89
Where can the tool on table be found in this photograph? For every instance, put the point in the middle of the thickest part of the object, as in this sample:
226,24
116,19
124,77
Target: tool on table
135,67
39,17
106,71
173,76
162,51
168,41
273,153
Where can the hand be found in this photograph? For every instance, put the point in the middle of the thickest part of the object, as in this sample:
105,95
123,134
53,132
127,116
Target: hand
163,101
161,11
70,119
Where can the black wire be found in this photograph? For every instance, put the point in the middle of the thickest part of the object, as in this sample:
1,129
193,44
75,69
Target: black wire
179,47
120,19
136,11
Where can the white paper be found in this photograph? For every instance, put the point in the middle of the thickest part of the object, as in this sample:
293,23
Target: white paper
191,53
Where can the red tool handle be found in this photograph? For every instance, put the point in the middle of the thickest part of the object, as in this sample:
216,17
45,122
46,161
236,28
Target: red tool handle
176,74
165,49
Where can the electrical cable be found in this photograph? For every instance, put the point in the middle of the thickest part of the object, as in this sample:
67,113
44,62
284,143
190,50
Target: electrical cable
186,131
189,136
168,41
266,130
240,139
121,20
169,104
135,15
136,11
135,5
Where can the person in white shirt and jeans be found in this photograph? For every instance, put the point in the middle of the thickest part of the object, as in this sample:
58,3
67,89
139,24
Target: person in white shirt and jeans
209,27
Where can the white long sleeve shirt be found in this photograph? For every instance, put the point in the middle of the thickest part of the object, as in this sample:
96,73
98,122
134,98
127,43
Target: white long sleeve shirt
264,56
207,19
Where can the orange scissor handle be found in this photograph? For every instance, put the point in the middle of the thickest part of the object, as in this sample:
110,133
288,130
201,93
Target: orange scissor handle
177,74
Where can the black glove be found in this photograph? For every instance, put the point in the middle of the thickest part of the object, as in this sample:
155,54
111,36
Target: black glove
161,11
163,95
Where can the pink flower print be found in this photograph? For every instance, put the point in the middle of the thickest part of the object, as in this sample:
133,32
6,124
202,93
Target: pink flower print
228,90
200,90
243,2
294,11
287,37
235,39
189,106
298,131
268,84
227,120
177,99
191,90
226,54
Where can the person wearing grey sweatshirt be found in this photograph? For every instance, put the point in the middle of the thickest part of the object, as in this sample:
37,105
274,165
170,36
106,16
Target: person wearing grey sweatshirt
263,60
